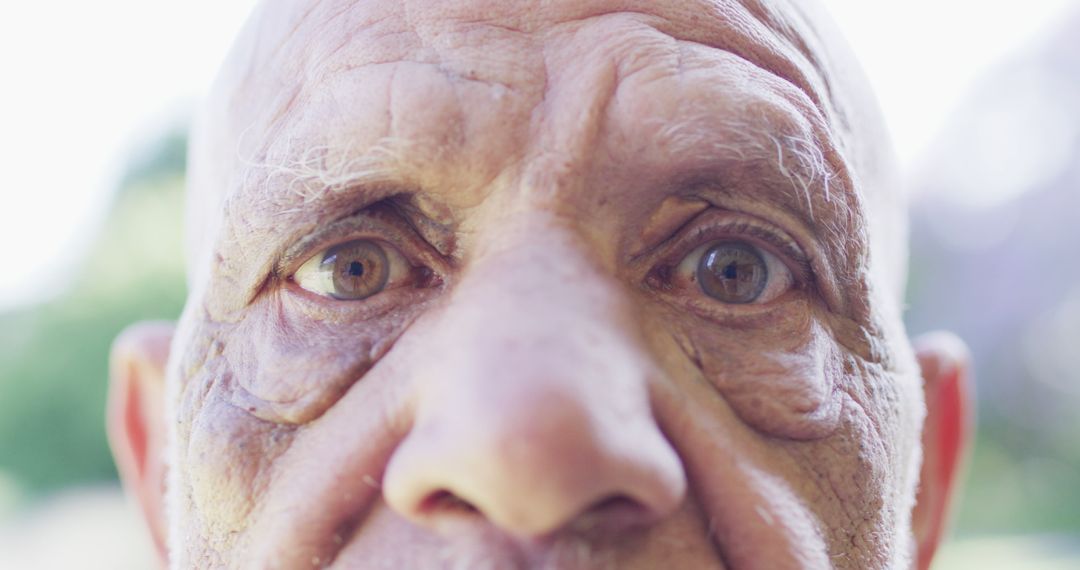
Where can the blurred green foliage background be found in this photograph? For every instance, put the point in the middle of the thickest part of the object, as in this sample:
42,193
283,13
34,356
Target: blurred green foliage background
54,356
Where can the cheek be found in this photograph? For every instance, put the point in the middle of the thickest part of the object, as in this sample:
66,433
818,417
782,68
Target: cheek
246,390
290,369
782,384
222,453
228,461
857,478
837,428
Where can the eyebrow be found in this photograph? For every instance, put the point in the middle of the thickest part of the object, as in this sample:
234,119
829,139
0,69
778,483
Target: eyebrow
325,169
318,184
787,171
790,161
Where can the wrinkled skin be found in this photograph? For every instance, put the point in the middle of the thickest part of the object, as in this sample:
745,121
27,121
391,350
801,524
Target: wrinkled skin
543,388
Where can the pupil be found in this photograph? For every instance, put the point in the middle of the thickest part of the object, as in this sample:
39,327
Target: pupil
731,271
356,270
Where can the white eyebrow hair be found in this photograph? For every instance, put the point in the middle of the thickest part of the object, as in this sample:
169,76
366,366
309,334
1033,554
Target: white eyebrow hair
322,169
797,158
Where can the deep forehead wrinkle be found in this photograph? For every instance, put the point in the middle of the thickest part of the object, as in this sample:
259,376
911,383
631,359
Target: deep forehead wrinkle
768,33
754,30
313,40
776,134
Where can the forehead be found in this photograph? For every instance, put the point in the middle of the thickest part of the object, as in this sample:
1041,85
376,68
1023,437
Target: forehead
293,47
327,84
748,27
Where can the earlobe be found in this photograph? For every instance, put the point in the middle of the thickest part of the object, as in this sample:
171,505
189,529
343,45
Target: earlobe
944,361
135,419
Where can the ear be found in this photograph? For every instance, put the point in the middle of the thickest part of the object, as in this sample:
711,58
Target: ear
946,437
135,419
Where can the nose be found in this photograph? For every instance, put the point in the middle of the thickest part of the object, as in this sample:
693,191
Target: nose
532,404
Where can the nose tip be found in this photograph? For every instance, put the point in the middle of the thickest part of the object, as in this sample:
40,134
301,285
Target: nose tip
533,467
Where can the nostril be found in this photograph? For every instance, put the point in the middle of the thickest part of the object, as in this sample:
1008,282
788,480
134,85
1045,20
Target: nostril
443,501
616,503
614,513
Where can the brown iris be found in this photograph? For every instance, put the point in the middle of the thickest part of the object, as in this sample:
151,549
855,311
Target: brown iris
732,272
356,269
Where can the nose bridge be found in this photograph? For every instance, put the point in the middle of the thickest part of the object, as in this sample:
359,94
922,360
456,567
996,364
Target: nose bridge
533,404
536,311
543,304
541,344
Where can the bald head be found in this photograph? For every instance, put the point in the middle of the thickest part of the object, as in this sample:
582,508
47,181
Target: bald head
558,285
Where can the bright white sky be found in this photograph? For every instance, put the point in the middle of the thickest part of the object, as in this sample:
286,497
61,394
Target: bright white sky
84,83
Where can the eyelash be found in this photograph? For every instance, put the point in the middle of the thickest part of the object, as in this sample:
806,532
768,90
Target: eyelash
700,234
365,225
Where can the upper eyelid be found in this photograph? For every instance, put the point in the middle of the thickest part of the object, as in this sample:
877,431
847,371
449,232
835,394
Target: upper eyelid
361,225
697,233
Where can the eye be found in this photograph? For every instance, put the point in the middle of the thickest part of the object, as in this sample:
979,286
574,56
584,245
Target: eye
736,272
351,271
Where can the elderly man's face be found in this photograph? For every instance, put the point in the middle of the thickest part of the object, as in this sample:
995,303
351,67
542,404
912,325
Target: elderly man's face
565,285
